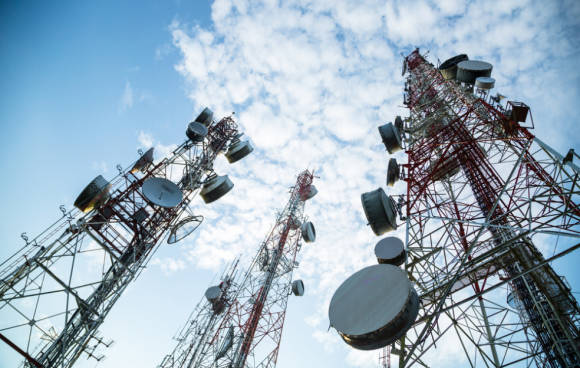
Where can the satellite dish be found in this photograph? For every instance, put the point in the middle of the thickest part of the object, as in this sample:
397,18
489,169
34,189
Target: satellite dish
183,228
308,232
94,195
391,137
392,172
380,211
215,188
213,294
143,162
484,83
374,307
205,118
238,150
298,287
196,132
469,70
449,67
162,192
390,250
310,192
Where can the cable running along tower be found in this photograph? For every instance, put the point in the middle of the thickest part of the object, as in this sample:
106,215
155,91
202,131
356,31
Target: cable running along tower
239,324
57,290
481,193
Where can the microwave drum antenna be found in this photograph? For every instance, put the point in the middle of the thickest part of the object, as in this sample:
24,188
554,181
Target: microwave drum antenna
94,194
215,188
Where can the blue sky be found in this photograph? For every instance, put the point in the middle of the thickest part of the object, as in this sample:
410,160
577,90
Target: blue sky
85,84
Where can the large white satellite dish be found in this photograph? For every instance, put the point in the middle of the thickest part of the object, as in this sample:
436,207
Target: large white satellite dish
374,307
162,192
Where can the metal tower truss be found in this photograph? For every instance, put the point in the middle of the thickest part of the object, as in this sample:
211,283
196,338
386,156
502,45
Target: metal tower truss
481,192
57,290
201,323
247,331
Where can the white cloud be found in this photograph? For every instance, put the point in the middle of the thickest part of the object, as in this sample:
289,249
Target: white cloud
145,140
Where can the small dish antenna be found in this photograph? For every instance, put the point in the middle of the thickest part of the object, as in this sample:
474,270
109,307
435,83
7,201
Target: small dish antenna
380,211
183,228
308,232
196,131
310,192
298,287
205,117
94,195
390,250
215,188
238,150
391,137
162,192
392,172
143,162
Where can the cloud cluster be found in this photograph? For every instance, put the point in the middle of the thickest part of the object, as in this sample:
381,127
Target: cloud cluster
310,81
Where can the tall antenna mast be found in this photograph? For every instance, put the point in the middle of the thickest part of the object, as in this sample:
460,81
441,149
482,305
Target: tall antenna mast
57,290
482,191
243,325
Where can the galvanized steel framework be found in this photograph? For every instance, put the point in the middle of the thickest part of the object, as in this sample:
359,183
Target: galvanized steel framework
57,290
481,192
247,332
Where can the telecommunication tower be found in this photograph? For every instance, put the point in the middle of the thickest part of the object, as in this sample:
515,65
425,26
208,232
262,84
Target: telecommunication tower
240,322
57,290
482,191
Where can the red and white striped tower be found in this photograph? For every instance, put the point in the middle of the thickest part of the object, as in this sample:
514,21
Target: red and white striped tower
57,290
244,325
482,190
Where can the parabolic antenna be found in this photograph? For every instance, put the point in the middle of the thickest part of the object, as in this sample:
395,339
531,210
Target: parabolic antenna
183,228
374,307
391,137
213,293
162,192
392,172
469,70
238,150
484,83
308,232
298,287
215,188
196,131
311,191
390,250
449,67
205,118
380,211
144,161
94,194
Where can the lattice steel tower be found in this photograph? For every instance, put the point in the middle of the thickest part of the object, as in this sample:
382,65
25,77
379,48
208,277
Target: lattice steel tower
482,191
239,324
56,291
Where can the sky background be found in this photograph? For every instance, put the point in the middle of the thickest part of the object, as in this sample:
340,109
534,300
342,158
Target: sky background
86,84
